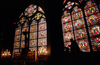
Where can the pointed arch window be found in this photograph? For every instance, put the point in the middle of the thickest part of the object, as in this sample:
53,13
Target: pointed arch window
80,29
67,28
33,21
73,25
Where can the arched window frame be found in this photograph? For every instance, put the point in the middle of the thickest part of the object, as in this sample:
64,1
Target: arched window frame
71,7
92,15
25,22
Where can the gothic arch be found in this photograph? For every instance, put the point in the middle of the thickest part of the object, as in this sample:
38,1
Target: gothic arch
33,21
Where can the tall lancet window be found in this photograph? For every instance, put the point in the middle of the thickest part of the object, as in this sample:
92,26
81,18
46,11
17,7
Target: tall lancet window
80,29
93,22
67,28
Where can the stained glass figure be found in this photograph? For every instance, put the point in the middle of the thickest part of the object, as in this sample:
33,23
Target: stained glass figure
78,24
16,44
33,43
93,20
29,11
76,9
42,42
42,34
67,27
77,15
80,34
83,45
18,31
42,20
95,30
23,44
96,43
17,38
33,35
91,10
34,22
25,29
42,26
33,28
66,19
89,4
25,24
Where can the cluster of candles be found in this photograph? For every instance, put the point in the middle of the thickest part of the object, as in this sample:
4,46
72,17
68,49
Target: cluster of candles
6,53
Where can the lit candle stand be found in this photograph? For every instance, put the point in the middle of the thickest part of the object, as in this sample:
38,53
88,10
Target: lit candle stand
42,53
6,54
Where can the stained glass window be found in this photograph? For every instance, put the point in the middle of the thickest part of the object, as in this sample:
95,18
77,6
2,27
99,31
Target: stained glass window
33,43
33,21
93,22
22,20
25,29
33,28
78,24
83,45
18,31
23,37
42,42
67,28
69,5
16,44
80,30
73,26
40,9
42,34
80,34
33,35
17,38
23,44
42,26
96,43
30,10
37,16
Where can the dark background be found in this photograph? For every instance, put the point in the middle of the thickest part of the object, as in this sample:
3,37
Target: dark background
10,11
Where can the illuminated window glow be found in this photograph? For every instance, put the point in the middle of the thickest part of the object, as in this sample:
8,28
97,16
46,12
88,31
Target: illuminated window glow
33,21
93,22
